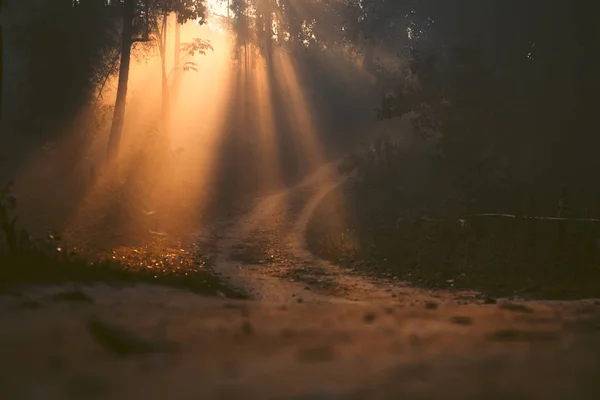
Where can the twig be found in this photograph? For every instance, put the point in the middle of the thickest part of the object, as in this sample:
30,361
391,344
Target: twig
141,40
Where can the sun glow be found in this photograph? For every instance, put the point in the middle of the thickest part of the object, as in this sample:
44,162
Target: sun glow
218,11
219,7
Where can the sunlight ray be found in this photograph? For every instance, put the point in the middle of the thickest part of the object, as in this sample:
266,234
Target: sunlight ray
306,132
298,110
164,189
270,168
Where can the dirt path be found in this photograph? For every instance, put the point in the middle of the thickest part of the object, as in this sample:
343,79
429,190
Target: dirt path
264,253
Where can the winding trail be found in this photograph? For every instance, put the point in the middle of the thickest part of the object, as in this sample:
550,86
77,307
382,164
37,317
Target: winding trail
282,269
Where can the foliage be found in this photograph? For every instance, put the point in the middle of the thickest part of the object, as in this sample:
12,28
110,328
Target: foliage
486,91
186,10
196,46
76,44
491,107
148,14
295,24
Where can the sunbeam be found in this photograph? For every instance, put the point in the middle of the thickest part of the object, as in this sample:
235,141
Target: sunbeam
243,120
164,190
298,111
306,134
293,199
262,99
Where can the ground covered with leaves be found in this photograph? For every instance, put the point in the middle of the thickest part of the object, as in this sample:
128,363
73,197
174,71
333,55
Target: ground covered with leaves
499,256
125,266
160,260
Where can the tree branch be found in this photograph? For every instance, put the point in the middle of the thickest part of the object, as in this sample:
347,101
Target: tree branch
112,68
141,40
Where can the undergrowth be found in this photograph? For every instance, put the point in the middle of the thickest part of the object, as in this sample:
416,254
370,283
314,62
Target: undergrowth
400,221
25,260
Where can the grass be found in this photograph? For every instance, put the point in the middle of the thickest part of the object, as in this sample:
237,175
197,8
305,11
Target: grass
497,256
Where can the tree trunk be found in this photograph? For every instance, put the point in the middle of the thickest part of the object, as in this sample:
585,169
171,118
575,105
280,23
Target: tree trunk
269,31
1,59
1,65
177,60
166,117
114,141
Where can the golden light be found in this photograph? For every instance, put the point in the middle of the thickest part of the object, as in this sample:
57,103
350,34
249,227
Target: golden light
166,188
261,97
298,111
164,180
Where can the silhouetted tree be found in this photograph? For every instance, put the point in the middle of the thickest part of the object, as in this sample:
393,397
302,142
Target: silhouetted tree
119,113
74,43
497,79
1,59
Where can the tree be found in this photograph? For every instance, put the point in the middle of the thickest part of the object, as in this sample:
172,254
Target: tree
162,46
79,38
501,99
176,60
184,10
116,129
146,17
1,59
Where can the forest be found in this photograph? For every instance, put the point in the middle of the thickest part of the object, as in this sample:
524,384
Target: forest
439,113
299,199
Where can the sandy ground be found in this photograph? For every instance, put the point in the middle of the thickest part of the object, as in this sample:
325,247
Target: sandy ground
312,331
161,343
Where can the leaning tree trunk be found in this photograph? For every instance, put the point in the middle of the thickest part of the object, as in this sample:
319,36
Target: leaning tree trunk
114,141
